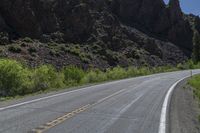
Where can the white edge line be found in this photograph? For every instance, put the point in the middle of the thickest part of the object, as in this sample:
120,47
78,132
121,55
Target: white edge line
35,100
47,97
163,117
56,95
64,93
60,94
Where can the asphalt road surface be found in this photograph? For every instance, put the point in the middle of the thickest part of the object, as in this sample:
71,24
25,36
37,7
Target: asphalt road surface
125,106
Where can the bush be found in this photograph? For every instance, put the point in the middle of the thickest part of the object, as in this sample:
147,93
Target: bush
32,50
14,49
78,51
190,64
14,79
27,39
46,77
132,72
1,50
195,83
94,76
180,66
144,71
54,52
116,73
73,75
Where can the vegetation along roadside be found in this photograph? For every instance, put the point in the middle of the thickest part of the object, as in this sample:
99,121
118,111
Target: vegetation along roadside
17,79
195,83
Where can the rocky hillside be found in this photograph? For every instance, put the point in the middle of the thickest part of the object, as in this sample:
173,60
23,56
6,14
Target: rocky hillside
99,33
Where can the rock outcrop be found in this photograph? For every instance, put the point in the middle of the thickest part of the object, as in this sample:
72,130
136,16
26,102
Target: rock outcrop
116,25
156,19
2,24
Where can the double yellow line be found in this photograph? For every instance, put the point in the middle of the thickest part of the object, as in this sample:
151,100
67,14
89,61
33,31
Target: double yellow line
59,120
67,116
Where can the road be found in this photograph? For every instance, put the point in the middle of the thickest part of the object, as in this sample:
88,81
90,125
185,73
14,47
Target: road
125,106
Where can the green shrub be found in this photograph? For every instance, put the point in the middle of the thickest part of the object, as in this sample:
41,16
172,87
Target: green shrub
72,75
180,66
84,59
101,76
54,52
132,72
24,45
195,83
167,68
116,73
190,64
14,49
1,50
144,71
32,50
94,76
74,49
78,51
90,77
197,66
27,39
14,78
46,77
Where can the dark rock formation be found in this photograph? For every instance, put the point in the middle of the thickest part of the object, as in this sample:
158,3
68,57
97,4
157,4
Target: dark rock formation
2,24
120,26
156,19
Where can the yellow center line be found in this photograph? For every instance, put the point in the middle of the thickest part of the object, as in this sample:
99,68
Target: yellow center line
59,120
67,116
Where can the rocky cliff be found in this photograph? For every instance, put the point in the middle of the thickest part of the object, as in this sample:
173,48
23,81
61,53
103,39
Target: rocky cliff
155,18
101,33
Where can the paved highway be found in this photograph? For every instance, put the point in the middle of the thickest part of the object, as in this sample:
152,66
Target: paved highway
127,106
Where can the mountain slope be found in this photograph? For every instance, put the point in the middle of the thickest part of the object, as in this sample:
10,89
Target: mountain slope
99,33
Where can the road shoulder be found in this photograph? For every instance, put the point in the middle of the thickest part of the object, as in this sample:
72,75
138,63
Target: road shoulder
184,110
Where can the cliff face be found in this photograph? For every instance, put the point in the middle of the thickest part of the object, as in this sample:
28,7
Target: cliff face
155,18
113,25
37,18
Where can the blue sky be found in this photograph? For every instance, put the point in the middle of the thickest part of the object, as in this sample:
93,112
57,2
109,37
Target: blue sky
190,6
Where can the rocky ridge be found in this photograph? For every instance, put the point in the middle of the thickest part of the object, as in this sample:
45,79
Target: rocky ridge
100,33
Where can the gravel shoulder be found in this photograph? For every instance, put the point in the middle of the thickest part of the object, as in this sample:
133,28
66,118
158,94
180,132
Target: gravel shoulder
184,110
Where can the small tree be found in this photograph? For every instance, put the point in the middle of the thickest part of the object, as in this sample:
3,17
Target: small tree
46,77
196,47
14,78
73,75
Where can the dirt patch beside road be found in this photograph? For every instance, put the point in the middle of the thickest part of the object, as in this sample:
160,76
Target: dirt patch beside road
184,110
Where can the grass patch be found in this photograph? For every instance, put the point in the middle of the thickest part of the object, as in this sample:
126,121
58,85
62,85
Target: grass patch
195,83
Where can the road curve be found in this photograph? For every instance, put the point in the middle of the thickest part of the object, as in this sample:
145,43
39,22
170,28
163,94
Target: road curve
125,106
